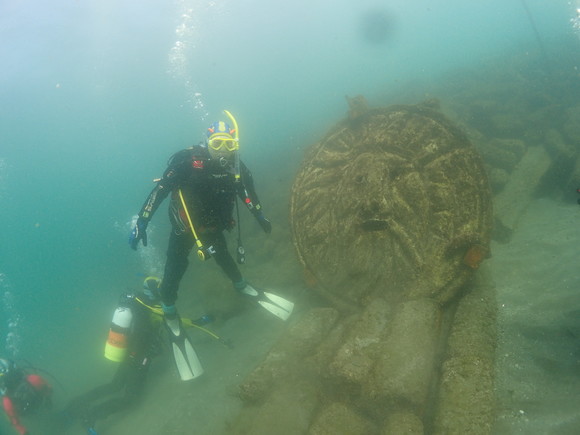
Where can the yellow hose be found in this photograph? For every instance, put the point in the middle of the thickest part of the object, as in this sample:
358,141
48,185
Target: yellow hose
186,322
200,251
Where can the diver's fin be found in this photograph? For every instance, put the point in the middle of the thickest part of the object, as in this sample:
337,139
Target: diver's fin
275,304
184,355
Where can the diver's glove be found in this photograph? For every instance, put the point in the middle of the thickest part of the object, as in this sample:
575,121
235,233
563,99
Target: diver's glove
139,233
264,223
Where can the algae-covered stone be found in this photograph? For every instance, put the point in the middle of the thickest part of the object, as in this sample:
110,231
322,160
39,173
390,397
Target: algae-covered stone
289,411
503,153
355,357
403,422
300,341
405,364
339,419
466,388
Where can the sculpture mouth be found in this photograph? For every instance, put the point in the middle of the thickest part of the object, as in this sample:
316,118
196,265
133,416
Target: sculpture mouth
374,225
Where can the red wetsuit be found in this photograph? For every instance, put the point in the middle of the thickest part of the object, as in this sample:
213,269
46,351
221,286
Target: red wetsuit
39,390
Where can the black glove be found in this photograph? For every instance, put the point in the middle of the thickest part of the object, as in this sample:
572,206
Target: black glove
139,233
264,223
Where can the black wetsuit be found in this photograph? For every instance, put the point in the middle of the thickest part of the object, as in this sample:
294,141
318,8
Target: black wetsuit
127,385
209,190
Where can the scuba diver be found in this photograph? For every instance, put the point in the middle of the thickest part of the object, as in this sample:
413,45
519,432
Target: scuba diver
204,181
134,340
22,394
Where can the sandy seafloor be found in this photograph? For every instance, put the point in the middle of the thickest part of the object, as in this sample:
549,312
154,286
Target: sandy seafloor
538,294
538,355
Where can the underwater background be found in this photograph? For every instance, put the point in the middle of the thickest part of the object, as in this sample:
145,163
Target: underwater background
95,96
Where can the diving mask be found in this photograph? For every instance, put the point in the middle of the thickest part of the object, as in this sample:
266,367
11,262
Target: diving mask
220,142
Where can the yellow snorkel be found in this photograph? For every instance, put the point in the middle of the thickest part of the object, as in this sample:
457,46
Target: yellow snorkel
200,250
237,139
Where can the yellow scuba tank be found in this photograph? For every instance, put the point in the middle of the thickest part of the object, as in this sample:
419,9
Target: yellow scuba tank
116,346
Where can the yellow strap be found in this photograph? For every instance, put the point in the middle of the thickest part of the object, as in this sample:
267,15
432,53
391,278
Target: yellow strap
200,251
189,322
186,322
156,309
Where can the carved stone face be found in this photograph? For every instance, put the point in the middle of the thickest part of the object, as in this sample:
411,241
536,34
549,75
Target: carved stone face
389,204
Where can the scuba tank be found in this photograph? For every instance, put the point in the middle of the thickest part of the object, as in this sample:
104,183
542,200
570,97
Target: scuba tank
116,346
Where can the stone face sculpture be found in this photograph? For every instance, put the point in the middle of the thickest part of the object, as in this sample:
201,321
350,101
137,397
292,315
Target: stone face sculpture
393,204
391,216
